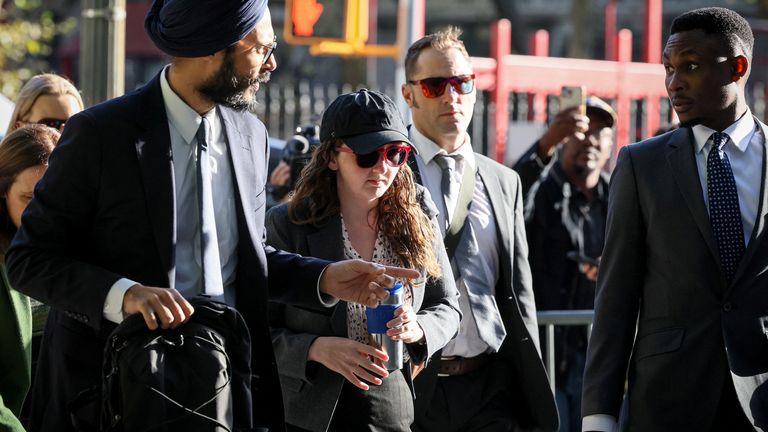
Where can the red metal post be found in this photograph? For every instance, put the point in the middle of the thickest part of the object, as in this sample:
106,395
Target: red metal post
610,30
624,53
419,9
652,54
537,105
501,45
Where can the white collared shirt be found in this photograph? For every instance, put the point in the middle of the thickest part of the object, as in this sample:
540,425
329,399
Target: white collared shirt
467,342
183,123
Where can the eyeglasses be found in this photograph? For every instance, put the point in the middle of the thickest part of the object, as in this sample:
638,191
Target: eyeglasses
51,122
435,86
270,49
395,156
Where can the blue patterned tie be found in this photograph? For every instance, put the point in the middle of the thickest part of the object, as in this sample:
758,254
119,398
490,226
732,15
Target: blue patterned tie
209,240
724,213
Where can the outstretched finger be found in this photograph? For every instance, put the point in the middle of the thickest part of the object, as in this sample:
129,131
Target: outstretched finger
402,273
362,372
352,378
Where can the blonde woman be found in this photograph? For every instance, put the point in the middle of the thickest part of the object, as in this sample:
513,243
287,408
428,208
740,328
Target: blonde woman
47,99
357,199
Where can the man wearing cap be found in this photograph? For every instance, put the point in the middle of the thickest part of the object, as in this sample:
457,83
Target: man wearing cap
570,121
565,223
490,377
127,221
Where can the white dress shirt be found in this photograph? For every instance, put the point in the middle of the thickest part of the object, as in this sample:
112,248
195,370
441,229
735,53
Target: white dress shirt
745,153
183,123
467,342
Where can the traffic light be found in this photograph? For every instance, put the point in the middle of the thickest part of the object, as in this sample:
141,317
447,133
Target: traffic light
332,27
308,22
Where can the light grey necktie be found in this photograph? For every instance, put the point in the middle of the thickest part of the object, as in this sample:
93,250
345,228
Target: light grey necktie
468,261
449,184
209,241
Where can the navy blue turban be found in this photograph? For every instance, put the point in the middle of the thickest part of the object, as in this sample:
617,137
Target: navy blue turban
197,28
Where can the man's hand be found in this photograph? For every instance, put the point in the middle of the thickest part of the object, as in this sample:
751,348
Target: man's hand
362,282
350,359
569,122
165,304
281,175
590,271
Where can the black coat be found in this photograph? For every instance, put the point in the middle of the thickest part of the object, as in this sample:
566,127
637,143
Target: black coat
105,210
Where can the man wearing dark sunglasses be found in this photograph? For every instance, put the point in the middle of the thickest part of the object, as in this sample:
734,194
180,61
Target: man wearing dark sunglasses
490,377
158,197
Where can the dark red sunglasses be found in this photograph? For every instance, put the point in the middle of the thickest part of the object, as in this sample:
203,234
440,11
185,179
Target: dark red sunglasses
395,156
435,86
52,122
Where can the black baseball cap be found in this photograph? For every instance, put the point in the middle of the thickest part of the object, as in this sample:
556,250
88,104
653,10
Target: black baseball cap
365,120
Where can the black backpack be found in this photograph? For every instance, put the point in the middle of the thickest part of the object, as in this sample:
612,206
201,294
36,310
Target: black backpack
196,377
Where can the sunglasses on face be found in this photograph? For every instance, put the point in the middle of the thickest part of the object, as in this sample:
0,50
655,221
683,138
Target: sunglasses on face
394,156
435,86
52,123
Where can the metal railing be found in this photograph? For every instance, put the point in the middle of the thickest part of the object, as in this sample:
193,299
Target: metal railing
550,319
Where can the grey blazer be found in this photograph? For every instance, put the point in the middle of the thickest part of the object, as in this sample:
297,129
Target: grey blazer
534,406
310,390
664,314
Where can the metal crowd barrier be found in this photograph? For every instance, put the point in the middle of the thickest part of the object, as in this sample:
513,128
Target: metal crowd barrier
550,319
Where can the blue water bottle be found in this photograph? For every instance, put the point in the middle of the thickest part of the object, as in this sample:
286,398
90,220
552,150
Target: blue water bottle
377,327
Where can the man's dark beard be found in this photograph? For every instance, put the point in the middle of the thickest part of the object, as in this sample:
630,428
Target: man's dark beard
228,89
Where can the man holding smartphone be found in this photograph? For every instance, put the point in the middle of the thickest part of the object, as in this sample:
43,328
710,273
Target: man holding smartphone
565,221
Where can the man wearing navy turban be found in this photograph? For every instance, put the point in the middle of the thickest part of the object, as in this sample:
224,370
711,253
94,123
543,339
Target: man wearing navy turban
115,226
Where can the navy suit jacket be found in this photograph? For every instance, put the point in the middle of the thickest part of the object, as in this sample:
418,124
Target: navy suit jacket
665,316
105,210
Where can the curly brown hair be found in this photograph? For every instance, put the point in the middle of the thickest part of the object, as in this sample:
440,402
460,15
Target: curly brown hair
400,217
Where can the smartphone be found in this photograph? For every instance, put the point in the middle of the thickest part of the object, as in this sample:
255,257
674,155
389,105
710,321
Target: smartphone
582,259
574,96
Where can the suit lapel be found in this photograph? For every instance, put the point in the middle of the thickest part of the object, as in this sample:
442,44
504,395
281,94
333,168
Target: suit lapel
762,213
243,165
496,197
682,162
326,243
153,150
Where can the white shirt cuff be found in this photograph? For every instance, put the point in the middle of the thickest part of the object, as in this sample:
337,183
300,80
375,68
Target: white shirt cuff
325,299
599,422
113,306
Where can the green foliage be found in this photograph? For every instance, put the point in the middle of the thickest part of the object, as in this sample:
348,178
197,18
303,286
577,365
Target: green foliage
27,31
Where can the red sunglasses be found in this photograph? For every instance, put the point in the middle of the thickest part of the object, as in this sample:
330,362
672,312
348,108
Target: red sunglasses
395,156
51,122
435,86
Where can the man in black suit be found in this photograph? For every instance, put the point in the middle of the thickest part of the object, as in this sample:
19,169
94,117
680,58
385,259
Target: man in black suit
119,226
681,307
490,377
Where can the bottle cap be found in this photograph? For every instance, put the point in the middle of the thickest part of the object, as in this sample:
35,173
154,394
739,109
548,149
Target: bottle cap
395,289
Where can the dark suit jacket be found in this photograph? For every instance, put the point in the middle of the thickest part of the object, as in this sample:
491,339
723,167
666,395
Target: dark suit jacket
660,276
105,210
311,391
535,405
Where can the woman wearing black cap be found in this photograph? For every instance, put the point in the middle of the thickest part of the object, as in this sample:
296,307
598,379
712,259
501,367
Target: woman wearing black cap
357,199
